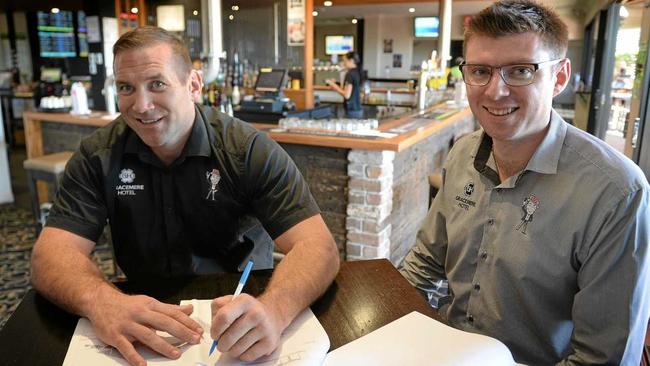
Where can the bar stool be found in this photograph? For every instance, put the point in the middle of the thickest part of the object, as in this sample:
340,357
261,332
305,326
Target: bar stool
47,168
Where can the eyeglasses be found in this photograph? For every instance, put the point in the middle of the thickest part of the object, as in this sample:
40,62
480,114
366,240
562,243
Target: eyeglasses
513,75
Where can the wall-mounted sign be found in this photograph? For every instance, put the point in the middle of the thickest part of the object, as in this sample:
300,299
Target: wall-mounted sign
296,22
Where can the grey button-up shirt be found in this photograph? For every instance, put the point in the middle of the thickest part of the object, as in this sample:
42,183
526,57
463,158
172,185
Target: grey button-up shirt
554,261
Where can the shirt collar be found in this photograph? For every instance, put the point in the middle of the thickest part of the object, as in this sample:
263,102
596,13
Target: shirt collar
544,160
198,144
546,157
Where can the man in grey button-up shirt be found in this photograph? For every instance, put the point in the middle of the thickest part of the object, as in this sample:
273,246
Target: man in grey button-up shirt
540,229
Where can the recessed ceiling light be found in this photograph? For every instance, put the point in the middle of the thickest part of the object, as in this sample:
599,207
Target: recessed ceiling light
195,12
411,10
354,21
623,12
327,3
235,7
314,13
231,17
55,10
134,10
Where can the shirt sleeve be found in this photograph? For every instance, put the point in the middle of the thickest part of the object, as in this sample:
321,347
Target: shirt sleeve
612,303
423,266
349,79
79,206
280,195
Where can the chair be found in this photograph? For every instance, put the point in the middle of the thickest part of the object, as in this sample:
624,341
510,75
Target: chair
47,168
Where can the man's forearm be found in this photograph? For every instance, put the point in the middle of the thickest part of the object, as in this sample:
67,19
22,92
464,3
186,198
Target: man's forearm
302,276
63,273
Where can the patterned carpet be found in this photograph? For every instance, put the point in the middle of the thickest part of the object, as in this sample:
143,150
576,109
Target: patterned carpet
17,237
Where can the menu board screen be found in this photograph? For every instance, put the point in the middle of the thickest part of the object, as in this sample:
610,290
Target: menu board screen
56,36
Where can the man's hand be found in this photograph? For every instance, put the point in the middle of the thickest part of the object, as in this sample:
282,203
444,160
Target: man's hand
120,320
245,327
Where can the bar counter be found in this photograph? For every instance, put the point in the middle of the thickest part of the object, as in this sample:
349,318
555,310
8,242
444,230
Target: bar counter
373,192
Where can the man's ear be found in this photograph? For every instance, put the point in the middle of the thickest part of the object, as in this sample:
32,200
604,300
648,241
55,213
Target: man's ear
562,76
196,85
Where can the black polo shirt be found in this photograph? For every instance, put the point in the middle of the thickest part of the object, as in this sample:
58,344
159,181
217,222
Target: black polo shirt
353,77
160,217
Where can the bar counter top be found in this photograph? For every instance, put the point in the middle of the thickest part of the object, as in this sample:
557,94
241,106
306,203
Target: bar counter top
422,127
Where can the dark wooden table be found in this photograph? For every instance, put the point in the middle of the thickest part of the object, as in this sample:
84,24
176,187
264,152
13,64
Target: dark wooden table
365,296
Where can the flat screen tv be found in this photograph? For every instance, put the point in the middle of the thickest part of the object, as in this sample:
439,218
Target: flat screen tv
338,45
426,27
56,35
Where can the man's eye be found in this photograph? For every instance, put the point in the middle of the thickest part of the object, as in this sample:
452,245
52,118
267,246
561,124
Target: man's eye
158,85
521,71
124,89
479,71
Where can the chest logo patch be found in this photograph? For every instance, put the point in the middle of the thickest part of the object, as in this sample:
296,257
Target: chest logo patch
213,178
529,206
127,176
464,202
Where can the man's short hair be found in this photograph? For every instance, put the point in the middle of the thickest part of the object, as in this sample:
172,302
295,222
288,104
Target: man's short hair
148,36
510,17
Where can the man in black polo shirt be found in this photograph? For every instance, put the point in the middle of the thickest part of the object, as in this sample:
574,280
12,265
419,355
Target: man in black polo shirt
178,184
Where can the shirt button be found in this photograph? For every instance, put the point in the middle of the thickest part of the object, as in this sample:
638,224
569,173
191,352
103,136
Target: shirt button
490,221
470,318
484,255
477,287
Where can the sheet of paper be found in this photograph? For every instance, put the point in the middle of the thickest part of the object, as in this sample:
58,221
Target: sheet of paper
416,339
304,342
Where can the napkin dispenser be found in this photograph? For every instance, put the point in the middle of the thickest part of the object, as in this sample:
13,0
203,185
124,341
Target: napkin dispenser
79,99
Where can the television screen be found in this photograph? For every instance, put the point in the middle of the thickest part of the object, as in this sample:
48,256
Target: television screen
338,45
426,27
56,36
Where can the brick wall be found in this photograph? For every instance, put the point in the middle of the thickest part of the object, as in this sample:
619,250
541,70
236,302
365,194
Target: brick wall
389,194
412,168
61,136
326,172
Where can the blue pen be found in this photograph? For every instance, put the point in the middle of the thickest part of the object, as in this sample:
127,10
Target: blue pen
240,286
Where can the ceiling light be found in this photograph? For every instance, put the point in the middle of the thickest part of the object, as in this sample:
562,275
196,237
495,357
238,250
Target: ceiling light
55,10
623,13
354,20
134,10
327,3
195,12
231,17
314,13
411,10
235,7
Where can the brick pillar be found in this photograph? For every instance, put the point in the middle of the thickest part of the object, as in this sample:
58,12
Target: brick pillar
370,202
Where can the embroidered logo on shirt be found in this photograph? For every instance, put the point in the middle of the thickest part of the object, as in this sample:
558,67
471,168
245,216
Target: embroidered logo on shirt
530,205
469,189
213,178
464,202
128,176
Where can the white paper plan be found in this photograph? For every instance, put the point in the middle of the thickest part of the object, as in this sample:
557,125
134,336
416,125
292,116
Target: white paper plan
416,339
304,342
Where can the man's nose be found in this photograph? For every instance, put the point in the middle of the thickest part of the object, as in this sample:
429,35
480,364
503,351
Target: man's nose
143,102
496,87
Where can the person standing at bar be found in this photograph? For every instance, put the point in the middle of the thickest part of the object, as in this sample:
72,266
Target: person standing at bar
184,189
351,87
541,229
